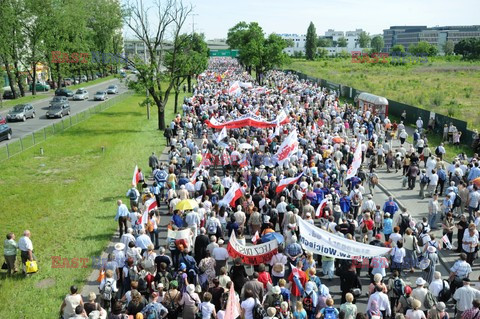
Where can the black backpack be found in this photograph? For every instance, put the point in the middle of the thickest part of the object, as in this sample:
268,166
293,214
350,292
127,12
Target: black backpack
398,287
445,294
405,223
457,201
258,311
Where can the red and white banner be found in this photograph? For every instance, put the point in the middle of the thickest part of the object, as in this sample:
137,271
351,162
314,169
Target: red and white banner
246,85
222,135
234,193
150,205
255,237
320,207
249,120
235,89
357,161
276,132
136,176
287,181
232,311
252,255
288,147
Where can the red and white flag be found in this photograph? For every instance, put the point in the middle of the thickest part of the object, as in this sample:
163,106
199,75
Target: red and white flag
255,237
193,179
320,207
136,176
357,161
284,90
295,271
232,311
447,241
233,194
288,147
276,132
222,134
150,204
287,181
243,162
235,89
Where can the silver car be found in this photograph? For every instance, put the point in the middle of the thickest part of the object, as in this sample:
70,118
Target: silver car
58,99
80,94
112,89
21,112
100,96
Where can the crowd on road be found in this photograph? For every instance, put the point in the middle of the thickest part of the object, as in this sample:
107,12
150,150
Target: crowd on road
241,197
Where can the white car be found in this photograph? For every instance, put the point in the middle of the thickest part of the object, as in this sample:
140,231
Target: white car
100,96
112,89
80,94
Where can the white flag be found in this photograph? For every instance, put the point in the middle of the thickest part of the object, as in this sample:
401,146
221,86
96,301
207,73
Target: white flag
222,134
447,241
275,133
357,161
288,147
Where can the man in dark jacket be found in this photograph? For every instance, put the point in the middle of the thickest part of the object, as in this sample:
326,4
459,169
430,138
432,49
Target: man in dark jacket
201,243
348,281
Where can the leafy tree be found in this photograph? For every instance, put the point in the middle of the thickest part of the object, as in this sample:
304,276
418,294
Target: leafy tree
423,48
344,54
298,54
448,47
324,42
468,48
397,48
171,18
377,44
342,42
364,39
322,53
310,42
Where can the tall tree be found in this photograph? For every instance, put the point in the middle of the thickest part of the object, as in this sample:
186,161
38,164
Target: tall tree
324,42
448,47
468,48
364,40
311,42
423,48
166,27
397,48
342,42
377,44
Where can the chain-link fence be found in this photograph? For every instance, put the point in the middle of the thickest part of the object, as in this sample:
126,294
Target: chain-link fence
13,148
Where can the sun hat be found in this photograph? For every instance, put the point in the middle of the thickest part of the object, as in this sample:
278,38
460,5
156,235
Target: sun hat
420,281
190,288
119,246
440,306
276,290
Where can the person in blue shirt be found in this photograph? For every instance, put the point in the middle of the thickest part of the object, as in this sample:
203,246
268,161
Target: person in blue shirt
387,226
177,219
474,172
345,203
121,216
390,206
442,178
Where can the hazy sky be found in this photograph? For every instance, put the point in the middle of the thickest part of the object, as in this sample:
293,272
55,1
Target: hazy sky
214,17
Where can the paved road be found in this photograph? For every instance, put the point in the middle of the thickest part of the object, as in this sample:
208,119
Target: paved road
20,129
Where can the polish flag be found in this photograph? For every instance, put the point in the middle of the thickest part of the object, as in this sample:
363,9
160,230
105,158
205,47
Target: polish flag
222,134
447,241
357,161
235,89
136,176
193,179
233,194
150,204
255,237
287,181
284,90
320,207
289,146
232,311
295,271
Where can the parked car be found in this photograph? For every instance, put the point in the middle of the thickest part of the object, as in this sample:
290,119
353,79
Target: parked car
64,92
81,94
58,99
58,109
83,78
8,94
5,132
3,120
100,96
112,89
40,87
123,74
68,81
21,112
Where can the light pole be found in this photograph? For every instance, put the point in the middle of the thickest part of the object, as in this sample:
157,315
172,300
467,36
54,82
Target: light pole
193,21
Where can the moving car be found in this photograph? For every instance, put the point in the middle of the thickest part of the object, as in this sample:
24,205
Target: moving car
64,92
100,96
40,87
81,94
5,132
58,109
8,94
58,99
21,112
112,89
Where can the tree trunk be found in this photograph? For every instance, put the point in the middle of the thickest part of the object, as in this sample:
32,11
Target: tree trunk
34,79
10,79
19,79
189,81
59,76
177,93
161,118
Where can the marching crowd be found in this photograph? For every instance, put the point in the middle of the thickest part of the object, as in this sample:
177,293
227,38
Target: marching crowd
235,181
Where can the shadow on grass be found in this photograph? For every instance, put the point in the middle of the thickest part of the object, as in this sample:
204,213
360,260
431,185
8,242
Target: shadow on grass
110,199
96,132
121,114
99,237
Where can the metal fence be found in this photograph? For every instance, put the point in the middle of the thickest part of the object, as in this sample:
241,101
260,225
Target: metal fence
396,108
16,147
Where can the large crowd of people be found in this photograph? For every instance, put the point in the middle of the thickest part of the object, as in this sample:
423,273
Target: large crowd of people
199,274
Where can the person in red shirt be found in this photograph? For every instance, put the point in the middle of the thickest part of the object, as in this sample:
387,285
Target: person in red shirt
263,276
369,224
296,293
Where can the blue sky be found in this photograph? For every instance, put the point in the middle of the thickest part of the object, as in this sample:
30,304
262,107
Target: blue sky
214,17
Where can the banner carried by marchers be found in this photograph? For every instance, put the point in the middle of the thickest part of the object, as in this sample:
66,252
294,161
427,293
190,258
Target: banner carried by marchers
252,255
357,161
321,242
288,147
249,119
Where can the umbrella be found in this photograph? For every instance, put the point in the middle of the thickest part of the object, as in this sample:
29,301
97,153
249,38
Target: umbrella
337,140
271,236
245,146
476,181
187,204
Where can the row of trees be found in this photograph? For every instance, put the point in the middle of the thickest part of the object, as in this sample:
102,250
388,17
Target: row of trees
30,32
257,52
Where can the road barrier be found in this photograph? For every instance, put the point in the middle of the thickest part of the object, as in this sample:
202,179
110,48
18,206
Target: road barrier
28,141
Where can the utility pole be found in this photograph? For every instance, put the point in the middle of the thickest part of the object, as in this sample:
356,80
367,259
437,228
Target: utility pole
193,21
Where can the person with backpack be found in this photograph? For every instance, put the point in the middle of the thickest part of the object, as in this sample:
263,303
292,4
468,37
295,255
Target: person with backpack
310,300
424,181
404,220
404,302
329,312
133,194
274,298
108,289
396,289
154,310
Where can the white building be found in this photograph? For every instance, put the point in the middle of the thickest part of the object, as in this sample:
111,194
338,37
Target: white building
296,43
350,36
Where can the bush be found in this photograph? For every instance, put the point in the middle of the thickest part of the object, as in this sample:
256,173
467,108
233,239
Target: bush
437,99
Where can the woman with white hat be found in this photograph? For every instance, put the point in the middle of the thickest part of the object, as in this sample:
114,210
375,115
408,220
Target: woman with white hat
430,270
438,312
190,302
415,312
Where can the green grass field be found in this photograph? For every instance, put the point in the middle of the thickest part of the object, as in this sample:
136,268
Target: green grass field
32,98
67,199
450,88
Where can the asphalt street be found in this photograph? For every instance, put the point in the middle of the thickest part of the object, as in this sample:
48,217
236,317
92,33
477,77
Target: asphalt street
20,129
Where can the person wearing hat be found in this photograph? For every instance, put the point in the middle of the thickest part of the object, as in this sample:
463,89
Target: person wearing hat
415,312
171,300
190,302
438,311
220,254
433,258
405,301
465,297
273,298
420,292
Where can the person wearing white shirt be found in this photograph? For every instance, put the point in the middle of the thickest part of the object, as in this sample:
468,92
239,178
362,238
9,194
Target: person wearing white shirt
465,296
220,254
127,238
382,301
398,254
143,241
193,221
379,264
437,284
26,247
